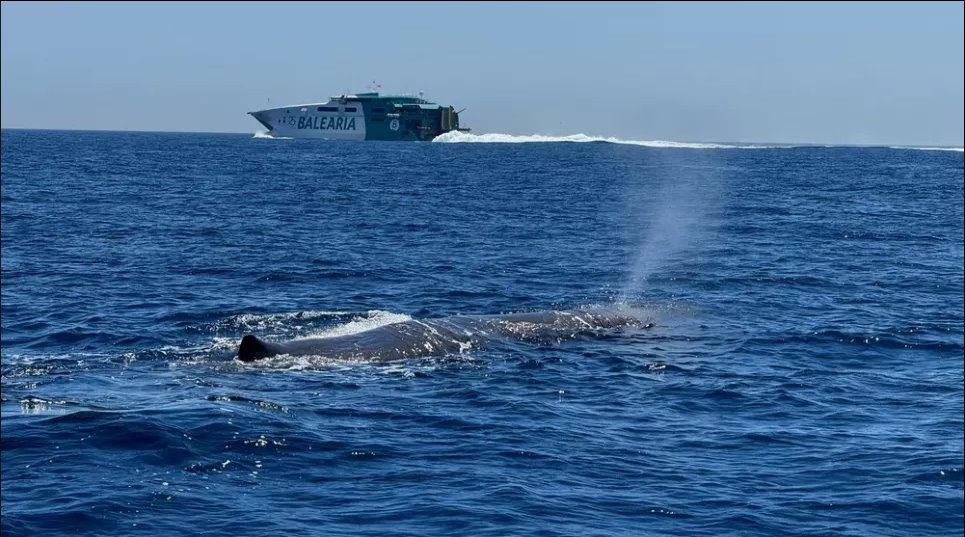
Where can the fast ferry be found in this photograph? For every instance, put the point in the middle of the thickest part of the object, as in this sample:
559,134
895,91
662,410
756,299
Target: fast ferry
365,116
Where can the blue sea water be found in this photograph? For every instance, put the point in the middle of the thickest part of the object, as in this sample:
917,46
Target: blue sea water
804,374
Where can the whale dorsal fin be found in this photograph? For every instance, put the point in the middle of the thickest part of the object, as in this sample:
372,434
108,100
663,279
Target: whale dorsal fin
252,349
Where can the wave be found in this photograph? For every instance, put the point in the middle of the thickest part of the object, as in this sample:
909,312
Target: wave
956,149
456,137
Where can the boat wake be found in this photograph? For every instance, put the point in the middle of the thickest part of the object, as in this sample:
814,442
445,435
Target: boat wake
496,138
267,136
956,149
457,137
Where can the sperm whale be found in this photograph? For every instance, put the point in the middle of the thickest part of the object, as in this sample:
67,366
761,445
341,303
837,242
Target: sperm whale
447,335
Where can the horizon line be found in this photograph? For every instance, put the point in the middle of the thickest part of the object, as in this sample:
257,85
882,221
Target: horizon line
798,144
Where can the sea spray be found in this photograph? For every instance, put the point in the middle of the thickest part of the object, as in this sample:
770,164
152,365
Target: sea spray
266,135
454,137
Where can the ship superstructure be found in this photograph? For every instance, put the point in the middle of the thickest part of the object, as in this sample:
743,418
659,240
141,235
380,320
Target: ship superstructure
364,116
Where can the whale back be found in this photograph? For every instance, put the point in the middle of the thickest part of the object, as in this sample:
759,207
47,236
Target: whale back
556,325
413,338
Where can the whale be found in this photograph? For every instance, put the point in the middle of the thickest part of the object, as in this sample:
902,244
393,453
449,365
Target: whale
415,338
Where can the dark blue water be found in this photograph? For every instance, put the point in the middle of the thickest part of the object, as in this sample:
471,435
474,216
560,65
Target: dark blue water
804,375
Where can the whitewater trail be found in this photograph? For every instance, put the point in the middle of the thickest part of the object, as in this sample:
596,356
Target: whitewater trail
496,138
457,137
268,136
955,149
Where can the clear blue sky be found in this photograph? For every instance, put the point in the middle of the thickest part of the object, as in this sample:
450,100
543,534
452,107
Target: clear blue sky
850,73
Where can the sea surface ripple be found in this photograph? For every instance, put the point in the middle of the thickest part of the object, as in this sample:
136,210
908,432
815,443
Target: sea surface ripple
804,374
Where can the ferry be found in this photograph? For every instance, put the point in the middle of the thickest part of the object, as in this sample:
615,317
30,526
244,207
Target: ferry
364,116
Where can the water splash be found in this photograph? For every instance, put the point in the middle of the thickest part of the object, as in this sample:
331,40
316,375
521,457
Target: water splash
955,149
496,138
373,319
268,136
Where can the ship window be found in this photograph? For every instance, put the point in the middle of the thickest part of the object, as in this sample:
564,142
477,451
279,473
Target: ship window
378,110
350,109
328,109
304,109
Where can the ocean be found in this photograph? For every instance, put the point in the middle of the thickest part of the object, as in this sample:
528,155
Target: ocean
803,374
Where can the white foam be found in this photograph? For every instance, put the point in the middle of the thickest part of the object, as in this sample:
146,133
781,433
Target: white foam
31,359
267,136
956,149
252,321
456,137
374,319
